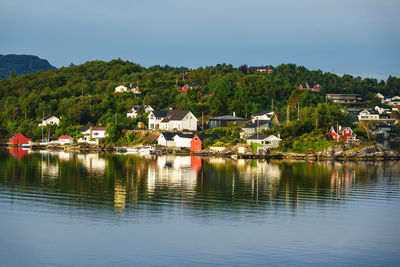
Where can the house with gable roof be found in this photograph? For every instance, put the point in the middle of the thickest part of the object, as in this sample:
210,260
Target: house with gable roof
50,120
188,86
312,87
346,134
133,112
171,120
128,88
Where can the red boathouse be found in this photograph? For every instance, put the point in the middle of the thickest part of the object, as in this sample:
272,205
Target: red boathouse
19,139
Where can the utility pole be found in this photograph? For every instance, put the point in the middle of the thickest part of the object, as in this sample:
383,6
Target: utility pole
42,124
288,113
202,120
298,111
272,105
115,119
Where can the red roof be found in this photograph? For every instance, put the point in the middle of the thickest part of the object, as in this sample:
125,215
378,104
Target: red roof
98,128
65,137
396,106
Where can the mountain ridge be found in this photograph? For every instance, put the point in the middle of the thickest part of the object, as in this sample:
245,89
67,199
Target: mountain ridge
22,64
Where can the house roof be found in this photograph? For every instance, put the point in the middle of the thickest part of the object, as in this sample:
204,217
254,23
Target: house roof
84,129
257,137
65,137
175,115
168,135
189,136
98,128
261,113
192,84
48,117
12,136
131,85
227,118
257,123
160,113
205,136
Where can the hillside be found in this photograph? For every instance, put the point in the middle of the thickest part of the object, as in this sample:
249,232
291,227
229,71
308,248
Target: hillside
222,89
22,64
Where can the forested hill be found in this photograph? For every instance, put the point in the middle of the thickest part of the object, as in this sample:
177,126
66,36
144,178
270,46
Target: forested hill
223,89
22,64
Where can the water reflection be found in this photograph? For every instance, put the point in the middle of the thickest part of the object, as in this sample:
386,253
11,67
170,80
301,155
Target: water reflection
132,182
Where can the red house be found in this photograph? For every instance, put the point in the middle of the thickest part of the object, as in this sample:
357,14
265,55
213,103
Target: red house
187,86
347,134
310,87
333,134
196,144
19,139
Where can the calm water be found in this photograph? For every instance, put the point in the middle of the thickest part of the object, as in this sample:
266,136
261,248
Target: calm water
60,209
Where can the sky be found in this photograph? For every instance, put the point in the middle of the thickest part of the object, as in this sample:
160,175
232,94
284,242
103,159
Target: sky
359,37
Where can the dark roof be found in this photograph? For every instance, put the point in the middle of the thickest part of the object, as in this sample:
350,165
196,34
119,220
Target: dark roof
131,85
48,117
257,137
205,136
160,113
185,135
175,115
257,123
192,84
261,113
84,129
227,118
168,135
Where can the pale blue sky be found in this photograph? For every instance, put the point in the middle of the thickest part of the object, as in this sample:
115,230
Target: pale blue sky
351,36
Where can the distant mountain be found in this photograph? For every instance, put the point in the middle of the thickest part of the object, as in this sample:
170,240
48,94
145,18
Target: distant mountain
22,64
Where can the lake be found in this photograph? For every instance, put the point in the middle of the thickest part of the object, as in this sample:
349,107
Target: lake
63,209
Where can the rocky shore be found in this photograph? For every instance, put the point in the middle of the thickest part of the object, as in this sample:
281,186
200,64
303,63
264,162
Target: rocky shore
344,152
340,152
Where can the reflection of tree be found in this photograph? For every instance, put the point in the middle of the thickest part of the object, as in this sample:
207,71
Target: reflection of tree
128,182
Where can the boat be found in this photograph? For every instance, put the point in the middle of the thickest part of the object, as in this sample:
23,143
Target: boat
121,149
132,150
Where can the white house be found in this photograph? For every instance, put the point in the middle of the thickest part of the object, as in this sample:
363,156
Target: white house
92,134
172,120
267,141
368,115
166,139
183,140
394,101
50,120
128,88
382,110
263,116
65,139
133,112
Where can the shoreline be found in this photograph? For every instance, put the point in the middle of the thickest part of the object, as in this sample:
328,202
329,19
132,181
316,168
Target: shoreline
333,153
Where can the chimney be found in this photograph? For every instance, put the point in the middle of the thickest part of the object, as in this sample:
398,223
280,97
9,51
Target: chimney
170,108
234,114
279,135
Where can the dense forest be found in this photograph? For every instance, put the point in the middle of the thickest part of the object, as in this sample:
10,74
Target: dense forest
84,95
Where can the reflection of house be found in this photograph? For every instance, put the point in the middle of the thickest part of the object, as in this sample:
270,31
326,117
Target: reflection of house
127,88
18,152
223,121
92,162
133,112
19,139
172,120
174,172
50,120
92,132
